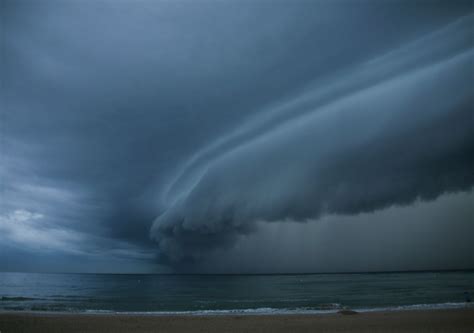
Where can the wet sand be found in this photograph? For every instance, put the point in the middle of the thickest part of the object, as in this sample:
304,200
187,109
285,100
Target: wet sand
452,320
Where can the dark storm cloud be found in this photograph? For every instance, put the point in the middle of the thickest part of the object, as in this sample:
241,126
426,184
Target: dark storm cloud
110,110
408,135
423,236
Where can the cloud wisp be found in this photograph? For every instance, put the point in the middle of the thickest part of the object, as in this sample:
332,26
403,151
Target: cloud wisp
398,129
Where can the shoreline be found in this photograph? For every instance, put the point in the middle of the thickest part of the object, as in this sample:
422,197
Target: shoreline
436,320
255,311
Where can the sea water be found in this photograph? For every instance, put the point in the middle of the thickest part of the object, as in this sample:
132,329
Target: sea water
233,294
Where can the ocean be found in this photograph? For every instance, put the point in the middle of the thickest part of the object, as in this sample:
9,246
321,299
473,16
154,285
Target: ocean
233,294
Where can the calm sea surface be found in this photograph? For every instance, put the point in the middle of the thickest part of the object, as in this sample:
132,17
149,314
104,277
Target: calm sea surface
221,294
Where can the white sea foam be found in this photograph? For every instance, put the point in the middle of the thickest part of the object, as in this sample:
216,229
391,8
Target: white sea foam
448,305
286,311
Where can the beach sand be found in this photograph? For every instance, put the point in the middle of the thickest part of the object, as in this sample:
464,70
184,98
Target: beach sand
452,320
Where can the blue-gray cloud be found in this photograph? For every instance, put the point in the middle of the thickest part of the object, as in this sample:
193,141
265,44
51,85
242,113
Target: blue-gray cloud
197,119
405,132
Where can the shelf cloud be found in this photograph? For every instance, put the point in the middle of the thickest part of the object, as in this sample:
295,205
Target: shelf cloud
394,138
160,136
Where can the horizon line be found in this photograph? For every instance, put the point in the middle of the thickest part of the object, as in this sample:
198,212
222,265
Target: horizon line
255,274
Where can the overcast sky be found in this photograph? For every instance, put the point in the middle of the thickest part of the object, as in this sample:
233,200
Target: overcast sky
236,136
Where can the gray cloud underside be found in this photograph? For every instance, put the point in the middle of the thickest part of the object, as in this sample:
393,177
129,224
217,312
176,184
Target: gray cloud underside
421,236
396,129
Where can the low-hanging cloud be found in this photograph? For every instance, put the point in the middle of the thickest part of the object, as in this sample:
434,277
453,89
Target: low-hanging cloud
212,116
397,129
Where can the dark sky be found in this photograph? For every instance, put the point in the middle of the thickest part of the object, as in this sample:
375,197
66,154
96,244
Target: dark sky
236,136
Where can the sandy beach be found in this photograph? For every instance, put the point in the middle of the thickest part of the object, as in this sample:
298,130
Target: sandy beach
453,320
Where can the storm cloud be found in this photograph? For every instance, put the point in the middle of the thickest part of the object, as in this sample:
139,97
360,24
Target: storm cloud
167,133
377,144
